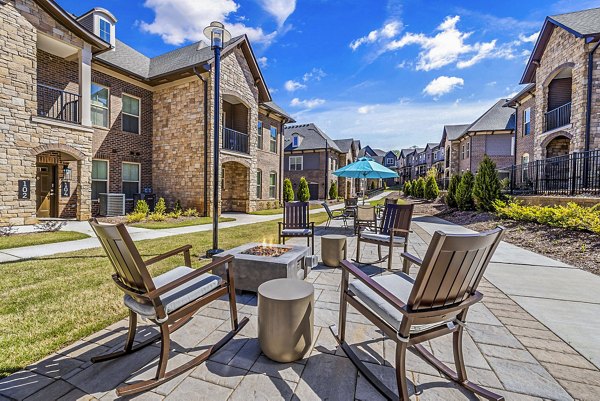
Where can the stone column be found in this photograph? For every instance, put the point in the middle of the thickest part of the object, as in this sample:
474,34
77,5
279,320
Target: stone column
85,84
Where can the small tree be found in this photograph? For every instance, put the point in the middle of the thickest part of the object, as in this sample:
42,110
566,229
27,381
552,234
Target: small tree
406,188
303,193
451,196
333,190
464,192
288,191
431,188
141,207
177,208
487,185
419,191
372,184
161,207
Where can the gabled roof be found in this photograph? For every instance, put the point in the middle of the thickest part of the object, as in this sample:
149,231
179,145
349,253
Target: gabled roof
431,145
406,152
453,132
344,144
497,118
528,89
581,24
278,110
312,138
356,144
380,152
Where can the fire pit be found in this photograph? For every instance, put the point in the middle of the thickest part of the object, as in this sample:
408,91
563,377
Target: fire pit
256,263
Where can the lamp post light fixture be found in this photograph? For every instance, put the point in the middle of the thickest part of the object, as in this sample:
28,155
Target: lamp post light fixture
218,36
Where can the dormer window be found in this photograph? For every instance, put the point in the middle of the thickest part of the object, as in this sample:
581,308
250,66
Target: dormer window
104,31
295,141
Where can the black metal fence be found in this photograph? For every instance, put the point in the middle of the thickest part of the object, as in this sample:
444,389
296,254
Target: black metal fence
572,174
558,117
58,104
234,140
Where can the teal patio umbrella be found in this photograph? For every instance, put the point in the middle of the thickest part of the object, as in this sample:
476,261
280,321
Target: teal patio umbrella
365,168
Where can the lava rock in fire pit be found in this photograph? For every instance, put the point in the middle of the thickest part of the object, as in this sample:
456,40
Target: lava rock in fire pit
266,250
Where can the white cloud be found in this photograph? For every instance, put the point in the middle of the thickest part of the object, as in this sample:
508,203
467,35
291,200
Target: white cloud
529,39
262,61
442,85
179,21
273,90
448,46
307,103
315,74
280,9
366,109
291,85
387,31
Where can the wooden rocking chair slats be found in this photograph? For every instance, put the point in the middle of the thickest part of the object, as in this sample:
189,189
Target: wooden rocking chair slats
434,304
295,223
393,231
181,293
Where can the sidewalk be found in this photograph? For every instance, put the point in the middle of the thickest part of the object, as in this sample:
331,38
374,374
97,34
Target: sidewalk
138,234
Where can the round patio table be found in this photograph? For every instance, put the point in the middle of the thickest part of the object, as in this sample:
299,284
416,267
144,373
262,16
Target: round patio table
285,318
333,249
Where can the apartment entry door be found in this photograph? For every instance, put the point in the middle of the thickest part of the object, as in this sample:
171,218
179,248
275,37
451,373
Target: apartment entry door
46,187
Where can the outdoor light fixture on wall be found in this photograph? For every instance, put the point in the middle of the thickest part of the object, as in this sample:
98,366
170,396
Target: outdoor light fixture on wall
67,173
218,36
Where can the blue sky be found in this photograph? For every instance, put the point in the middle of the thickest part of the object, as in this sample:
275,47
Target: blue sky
388,73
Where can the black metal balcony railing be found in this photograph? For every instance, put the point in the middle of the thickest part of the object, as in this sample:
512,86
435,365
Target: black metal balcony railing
58,104
558,117
234,140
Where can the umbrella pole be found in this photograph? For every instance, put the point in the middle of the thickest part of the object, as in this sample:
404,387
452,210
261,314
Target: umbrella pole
364,190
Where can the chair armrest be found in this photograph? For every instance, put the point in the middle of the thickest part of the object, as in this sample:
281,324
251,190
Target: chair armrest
400,230
185,249
412,258
190,276
373,285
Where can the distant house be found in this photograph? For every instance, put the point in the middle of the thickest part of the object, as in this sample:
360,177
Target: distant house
350,148
451,146
310,153
388,159
404,165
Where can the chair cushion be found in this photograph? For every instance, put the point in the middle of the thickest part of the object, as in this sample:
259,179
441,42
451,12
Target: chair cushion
397,284
296,231
381,237
179,296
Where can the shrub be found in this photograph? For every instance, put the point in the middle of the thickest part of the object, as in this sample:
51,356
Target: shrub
571,216
303,194
431,191
160,208
190,212
419,188
372,185
487,185
464,192
406,188
155,216
333,190
451,196
141,206
135,217
177,207
174,215
504,183
288,191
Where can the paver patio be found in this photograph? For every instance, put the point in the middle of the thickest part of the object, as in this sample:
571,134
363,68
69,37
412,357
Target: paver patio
507,349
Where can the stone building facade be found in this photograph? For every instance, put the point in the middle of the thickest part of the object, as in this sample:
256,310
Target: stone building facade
50,146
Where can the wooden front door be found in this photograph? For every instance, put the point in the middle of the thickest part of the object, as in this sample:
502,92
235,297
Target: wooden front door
46,190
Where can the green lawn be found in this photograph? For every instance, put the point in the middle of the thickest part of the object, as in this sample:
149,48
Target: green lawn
382,201
269,212
49,303
180,223
39,238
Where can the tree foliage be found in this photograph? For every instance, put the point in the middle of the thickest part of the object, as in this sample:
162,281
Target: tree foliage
303,193
333,190
419,188
431,188
406,188
464,192
288,191
486,189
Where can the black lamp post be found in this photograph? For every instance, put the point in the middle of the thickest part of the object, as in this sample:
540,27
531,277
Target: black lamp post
218,35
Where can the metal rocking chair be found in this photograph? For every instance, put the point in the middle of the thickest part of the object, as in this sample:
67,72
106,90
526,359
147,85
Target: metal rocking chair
433,305
168,300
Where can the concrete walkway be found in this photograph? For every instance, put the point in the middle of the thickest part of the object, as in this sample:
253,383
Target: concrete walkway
138,234
563,298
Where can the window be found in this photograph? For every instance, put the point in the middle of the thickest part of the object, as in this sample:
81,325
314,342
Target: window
527,121
131,179
462,152
296,163
273,185
468,150
273,141
99,178
100,97
104,30
390,161
295,141
131,114
260,135
525,167
259,184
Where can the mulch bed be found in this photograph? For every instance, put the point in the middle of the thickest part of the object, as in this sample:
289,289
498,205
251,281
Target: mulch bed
577,248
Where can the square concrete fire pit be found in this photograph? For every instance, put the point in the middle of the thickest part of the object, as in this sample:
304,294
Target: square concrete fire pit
251,270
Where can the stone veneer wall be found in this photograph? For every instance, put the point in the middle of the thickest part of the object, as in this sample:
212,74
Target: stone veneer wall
268,161
20,138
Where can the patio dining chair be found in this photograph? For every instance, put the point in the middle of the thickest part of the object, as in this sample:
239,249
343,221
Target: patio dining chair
434,304
393,231
295,223
169,300
331,216
350,205
365,217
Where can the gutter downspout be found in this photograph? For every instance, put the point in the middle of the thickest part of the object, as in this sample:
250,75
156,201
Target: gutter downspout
588,114
205,86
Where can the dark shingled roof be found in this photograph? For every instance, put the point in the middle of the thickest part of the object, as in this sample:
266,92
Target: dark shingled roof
453,132
277,109
312,138
497,118
344,144
584,22
406,152
127,58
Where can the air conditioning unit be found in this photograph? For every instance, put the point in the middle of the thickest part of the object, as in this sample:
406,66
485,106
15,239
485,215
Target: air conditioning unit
112,205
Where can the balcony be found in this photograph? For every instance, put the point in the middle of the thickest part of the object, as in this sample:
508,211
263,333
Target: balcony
58,104
558,117
235,141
